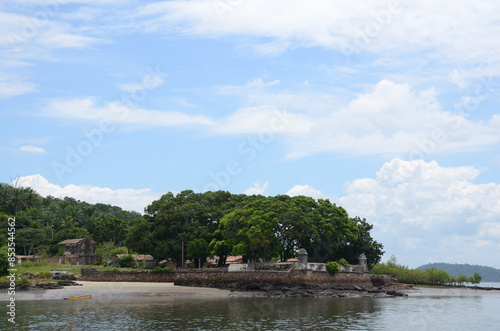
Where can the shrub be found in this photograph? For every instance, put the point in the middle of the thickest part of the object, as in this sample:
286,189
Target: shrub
40,264
333,267
343,262
42,274
23,280
26,264
127,261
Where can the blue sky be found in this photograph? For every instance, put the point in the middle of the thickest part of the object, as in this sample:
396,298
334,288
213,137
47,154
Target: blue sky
388,108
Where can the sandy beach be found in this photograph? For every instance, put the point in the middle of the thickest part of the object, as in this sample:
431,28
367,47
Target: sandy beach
107,290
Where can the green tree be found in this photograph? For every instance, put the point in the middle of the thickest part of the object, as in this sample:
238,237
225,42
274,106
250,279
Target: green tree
198,250
4,263
372,249
29,238
437,276
181,218
476,278
110,228
461,279
140,238
251,231
334,230
107,249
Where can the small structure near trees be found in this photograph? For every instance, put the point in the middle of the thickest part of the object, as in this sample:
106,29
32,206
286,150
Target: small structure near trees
148,261
82,249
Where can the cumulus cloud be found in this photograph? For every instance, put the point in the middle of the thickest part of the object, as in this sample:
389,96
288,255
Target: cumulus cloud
392,119
257,188
128,199
305,190
423,210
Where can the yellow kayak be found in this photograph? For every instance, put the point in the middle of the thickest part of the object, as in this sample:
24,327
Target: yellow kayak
80,297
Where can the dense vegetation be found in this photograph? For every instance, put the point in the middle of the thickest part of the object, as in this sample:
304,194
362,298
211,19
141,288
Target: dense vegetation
429,276
258,228
489,274
41,223
204,224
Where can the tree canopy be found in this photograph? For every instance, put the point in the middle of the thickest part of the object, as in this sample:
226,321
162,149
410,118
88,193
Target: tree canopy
202,224
258,228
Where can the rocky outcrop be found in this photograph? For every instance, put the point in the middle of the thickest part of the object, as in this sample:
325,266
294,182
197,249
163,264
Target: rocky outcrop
291,283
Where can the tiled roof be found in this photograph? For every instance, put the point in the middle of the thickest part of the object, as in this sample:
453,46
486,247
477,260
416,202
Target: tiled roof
234,259
71,241
137,257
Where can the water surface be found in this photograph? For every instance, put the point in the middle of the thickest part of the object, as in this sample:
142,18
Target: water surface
169,313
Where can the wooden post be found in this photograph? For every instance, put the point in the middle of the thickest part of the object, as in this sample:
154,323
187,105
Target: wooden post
182,264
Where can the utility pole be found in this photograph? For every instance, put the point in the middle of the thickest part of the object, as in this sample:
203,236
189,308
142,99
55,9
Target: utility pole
182,255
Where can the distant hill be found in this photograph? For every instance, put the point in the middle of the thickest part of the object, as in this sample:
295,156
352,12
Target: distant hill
489,274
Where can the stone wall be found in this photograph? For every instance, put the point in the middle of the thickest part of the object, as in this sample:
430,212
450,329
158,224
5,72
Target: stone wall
221,278
91,274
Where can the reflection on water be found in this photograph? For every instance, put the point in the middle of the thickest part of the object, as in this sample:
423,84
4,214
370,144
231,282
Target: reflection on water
167,313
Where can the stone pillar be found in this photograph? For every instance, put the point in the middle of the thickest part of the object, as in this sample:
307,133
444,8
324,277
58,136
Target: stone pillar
362,262
302,259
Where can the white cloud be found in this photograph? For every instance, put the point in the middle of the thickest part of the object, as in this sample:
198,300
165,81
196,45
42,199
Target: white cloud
257,188
15,88
120,113
392,119
397,29
32,149
457,79
389,118
305,190
128,199
428,209
40,32
149,82
264,119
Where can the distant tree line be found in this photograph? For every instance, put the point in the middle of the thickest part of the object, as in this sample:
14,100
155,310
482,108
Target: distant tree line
200,224
428,276
489,274
41,223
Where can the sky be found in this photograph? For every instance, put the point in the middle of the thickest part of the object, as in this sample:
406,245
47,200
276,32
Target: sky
390,109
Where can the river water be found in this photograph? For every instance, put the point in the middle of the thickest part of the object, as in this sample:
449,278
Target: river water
416,312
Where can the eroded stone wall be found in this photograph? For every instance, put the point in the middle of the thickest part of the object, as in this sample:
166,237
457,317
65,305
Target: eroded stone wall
91,274
260,279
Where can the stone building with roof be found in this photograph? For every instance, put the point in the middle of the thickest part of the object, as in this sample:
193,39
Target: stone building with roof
83,250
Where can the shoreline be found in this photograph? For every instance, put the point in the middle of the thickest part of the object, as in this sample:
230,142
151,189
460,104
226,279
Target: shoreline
112,290
450,291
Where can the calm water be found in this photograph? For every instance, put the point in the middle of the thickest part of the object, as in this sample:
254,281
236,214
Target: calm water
167,313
